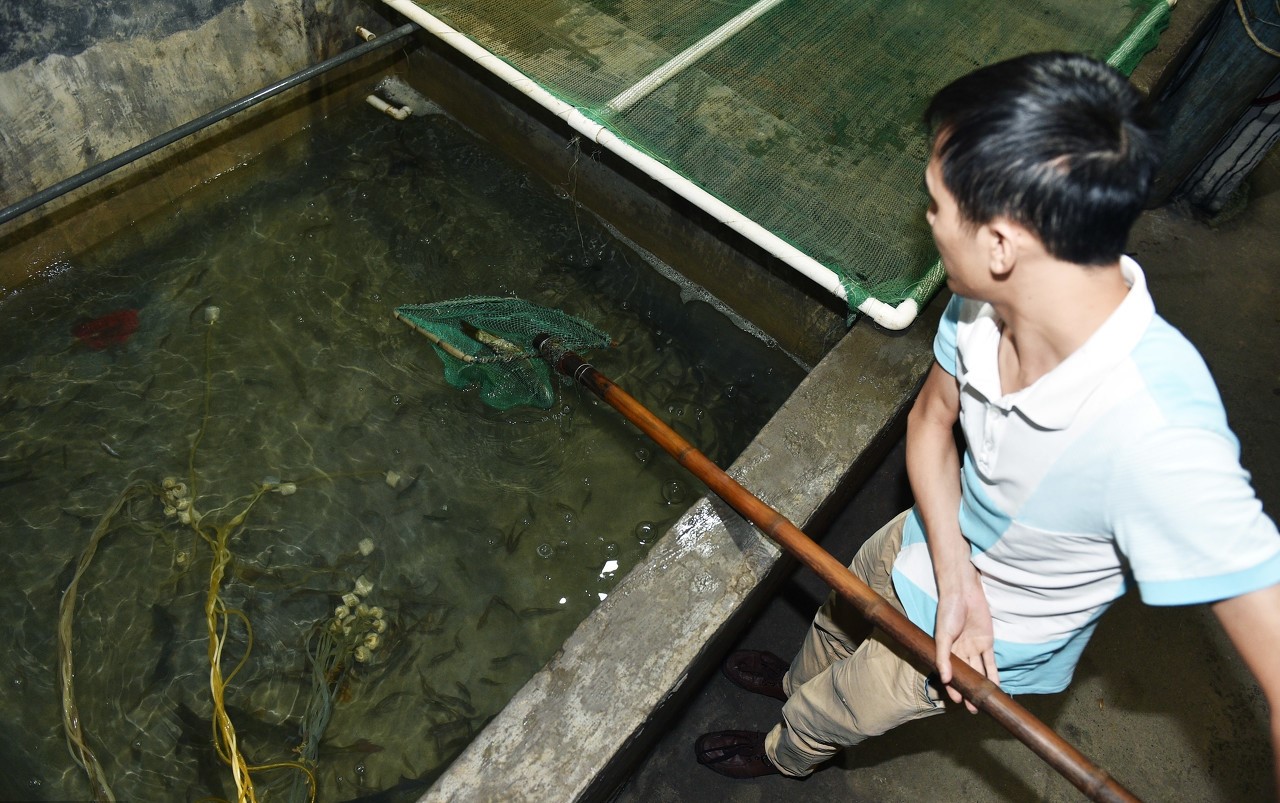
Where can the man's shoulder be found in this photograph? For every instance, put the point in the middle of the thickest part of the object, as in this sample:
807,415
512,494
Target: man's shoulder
1176,377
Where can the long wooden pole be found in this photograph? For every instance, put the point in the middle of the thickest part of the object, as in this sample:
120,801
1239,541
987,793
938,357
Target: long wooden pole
1043,741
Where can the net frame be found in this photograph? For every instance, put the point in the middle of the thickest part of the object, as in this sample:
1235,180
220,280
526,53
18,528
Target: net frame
487,343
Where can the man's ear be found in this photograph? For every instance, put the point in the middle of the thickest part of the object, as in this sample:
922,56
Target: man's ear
1005,240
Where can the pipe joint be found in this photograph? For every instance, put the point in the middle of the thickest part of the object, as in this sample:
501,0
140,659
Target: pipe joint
397,112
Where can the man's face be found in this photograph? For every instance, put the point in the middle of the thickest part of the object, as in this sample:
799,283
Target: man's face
960,245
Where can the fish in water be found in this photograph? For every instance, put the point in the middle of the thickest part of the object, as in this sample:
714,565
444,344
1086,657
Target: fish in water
112,329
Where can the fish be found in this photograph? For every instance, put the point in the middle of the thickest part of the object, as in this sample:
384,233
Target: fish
494,600
17,479
440,657
503,660
534,613
360,747
513,538
406,789
453,731
194,279
164,629
113,329
198,309
193,741
453,705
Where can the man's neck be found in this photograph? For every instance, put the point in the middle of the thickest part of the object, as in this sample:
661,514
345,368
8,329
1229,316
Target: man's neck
1049,311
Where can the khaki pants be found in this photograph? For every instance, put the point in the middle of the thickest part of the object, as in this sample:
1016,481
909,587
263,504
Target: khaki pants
849,681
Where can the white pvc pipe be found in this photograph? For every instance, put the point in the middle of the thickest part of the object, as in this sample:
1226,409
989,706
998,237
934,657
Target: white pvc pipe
889,317
398,112
711,41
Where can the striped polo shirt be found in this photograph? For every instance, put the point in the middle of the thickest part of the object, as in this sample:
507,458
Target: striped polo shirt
1118,464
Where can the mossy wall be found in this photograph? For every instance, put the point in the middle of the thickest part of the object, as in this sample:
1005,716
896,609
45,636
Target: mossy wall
82,82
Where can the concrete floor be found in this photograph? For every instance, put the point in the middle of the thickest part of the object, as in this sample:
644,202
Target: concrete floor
1160,699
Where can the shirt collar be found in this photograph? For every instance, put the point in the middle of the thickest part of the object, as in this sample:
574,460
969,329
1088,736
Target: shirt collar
1053,400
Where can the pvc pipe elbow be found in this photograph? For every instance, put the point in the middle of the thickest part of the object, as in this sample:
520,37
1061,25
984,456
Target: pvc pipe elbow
399,113
892,318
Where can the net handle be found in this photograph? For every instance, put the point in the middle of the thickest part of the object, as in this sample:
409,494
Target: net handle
1090,779
444,345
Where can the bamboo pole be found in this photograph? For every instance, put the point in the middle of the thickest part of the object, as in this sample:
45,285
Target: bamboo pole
1090,779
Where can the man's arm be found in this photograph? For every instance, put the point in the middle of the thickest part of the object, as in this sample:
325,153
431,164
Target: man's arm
933,466
1253,622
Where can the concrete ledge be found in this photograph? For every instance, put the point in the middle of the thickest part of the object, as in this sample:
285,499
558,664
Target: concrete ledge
574,729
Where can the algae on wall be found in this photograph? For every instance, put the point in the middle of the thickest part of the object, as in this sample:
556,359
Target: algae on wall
83,82
73,95
34,29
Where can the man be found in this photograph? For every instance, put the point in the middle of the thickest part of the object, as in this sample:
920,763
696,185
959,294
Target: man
1096,447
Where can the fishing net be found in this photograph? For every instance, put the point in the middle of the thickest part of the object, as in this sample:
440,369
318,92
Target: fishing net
802,115
487,342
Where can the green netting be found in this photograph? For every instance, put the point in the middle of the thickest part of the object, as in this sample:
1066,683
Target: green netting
807,120
487,342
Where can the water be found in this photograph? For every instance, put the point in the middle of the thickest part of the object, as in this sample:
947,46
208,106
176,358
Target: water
265,353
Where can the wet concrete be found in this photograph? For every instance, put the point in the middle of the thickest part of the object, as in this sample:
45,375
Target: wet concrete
1160,700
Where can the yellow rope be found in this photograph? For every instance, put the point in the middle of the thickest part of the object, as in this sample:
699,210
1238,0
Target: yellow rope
217,617
77,739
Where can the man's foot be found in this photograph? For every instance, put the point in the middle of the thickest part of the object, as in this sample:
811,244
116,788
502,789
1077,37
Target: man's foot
757,671
736,754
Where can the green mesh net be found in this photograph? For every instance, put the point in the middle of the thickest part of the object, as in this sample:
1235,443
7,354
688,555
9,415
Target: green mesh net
486,342
807,119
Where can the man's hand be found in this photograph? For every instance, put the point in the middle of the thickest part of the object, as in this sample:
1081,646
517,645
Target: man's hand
964,628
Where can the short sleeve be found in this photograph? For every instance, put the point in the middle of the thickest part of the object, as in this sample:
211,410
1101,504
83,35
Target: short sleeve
1187,520
944,342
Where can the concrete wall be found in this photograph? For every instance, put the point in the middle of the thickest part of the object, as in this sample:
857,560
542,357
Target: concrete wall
84,82
34,29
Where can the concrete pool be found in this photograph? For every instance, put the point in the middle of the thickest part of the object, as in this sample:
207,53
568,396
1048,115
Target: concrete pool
570,731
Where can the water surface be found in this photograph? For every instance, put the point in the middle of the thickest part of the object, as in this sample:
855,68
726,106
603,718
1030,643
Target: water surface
484,536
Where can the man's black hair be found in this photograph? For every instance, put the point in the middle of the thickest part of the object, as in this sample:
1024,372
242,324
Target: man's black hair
1057,142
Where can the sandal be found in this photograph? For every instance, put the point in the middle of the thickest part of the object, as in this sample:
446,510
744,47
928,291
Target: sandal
757,671
735,754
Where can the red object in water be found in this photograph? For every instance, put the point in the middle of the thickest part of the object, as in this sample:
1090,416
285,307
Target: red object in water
111,329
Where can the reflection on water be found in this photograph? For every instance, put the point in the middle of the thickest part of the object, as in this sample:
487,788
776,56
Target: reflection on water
249,343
